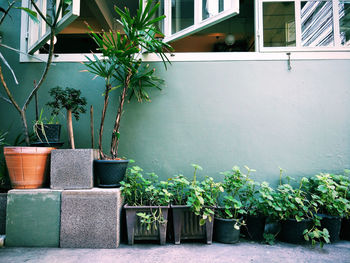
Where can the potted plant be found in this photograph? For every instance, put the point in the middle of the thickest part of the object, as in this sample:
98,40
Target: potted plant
47,131
27,165
71,100
229,215
146,205
299,222
122,68
333,204
193,205
343,189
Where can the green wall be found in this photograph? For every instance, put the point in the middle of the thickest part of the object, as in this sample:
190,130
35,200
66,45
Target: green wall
216,114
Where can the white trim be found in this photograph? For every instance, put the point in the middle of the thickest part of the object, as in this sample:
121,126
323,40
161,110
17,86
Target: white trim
211,56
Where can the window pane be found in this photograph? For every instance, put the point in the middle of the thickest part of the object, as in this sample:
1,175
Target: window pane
182,12
279,24
317,23
344,23
213,7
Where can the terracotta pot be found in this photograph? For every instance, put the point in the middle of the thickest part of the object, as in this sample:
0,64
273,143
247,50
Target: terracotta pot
27,166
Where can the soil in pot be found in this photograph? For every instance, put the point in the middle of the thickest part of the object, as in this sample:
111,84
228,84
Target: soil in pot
225,231
27,166
110,173
333,225
345,229
254,228
292,231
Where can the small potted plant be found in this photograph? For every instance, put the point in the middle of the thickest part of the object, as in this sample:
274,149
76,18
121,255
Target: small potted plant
121,67
299,222
146,204
229,215
47,131
333,204
193,205
343,189
69,99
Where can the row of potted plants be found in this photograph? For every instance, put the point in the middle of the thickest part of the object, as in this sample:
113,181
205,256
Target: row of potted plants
311,212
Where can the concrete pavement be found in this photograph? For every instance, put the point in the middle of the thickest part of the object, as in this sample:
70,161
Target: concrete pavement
186,252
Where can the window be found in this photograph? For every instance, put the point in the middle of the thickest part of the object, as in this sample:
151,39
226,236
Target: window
304,25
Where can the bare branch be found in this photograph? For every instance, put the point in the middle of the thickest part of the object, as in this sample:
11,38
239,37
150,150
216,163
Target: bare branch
43,76
40,13
5,99
6,12
8,92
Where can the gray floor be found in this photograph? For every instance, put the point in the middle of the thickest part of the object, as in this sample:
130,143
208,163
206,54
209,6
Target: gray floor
187,252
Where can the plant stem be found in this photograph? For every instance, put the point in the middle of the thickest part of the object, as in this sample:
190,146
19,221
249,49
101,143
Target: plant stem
105,104
115,134
70,129
92,126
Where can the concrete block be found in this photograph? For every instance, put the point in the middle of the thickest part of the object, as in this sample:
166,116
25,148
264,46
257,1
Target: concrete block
3,202
91,218
72,169
33,218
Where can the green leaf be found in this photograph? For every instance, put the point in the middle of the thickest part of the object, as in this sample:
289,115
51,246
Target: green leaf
32,14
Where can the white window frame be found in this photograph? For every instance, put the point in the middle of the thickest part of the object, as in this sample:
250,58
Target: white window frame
298,48
271,54
29,28
199,23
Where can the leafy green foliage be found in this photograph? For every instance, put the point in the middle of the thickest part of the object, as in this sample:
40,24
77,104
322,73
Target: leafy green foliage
69,99
179,187
144,191
329,194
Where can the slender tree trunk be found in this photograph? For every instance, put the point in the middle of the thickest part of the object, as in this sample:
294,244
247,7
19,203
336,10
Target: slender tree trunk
25,127
70,129
115,134
105,104
92,126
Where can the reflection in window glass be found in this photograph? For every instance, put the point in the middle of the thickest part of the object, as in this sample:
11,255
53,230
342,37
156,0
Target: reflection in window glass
182,12
344,22
160,12
279,24
317,23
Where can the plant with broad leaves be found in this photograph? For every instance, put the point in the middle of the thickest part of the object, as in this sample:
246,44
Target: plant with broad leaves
179,187
329,195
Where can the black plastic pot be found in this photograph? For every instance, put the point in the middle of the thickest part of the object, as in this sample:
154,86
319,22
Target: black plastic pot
333,225
292,231
225,232
51,133
186,225
345,229
255,226
110,173
138,231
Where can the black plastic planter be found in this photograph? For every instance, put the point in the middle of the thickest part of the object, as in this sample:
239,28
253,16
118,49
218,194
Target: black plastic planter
51,133
333,225
254,228
110,173
138,231
186,225
292,231
345,229
225,232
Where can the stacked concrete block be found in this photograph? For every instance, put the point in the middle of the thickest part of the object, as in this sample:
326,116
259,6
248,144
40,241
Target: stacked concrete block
3,202
72,169
33,218
91,218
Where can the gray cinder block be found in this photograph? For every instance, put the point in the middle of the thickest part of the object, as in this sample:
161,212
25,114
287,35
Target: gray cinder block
91,218
72,169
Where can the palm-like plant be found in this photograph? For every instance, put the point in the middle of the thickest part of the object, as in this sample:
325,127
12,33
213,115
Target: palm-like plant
122,62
